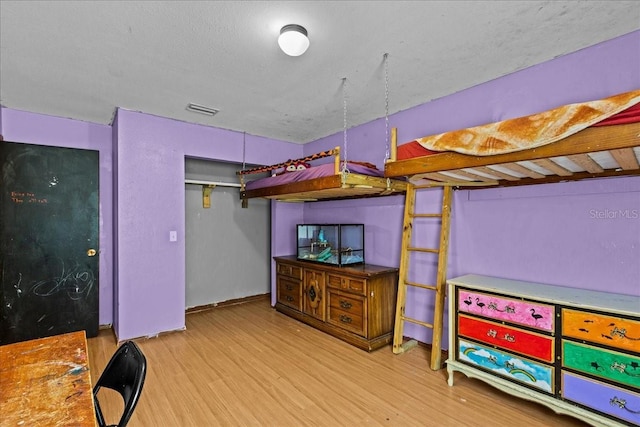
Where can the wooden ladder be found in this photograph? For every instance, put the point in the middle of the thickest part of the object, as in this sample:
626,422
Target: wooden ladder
440,283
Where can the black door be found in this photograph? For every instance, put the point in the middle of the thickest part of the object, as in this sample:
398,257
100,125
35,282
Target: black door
48,241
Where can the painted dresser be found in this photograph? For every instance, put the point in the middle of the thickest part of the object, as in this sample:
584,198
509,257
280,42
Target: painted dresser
573,350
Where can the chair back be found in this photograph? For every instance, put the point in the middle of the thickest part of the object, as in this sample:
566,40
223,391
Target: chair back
125,373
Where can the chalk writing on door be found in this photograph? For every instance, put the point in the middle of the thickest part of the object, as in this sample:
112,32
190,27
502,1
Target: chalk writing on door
76,281
26,197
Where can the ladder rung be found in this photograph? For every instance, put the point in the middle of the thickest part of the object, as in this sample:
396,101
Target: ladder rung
417,322
433,251
419,285
426,215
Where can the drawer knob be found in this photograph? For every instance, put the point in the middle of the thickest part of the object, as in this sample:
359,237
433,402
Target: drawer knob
491,305
345,319
345,304
622,333
620,367
507,337
289,298
622,404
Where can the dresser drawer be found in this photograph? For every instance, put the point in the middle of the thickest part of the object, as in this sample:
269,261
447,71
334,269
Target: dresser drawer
612,365
518,369
536,315
346,283
346,311
614,401
289,292
289,270
602,328
524,342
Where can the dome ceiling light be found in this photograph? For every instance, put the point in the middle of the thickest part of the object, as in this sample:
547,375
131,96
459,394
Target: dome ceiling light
293,40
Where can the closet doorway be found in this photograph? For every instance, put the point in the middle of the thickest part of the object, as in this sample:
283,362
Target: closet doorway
227,248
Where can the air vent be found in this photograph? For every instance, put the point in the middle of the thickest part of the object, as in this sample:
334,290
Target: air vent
202,109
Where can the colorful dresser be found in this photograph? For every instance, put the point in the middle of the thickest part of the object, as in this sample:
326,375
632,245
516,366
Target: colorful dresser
573,350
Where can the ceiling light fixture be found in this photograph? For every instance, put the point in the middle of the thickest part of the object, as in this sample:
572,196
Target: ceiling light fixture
293,40
202,109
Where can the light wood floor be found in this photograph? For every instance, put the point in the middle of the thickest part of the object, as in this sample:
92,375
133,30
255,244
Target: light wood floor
248,365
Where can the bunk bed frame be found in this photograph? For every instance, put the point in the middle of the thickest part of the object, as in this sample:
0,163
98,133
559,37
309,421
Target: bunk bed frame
599,138
342,184
619,142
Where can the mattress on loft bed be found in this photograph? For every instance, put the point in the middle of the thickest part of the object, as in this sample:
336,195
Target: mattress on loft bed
313,172
415,148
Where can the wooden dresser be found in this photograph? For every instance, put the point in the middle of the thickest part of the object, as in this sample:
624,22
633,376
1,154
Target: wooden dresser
573,350
353,303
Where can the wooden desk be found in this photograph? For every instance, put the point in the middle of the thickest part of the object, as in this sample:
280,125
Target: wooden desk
46,382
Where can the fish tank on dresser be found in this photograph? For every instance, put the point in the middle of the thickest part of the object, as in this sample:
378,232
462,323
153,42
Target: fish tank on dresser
335,244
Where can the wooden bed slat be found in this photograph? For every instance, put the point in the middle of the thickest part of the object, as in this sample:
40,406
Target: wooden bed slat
522,170
472,176
496,173
434,176
626,158
552,166
586,163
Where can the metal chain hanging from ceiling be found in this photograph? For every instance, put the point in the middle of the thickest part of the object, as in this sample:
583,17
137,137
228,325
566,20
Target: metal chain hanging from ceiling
386,106
244,163
345,167
244,149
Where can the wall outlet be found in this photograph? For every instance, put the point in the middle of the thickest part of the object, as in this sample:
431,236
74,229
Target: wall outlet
173,236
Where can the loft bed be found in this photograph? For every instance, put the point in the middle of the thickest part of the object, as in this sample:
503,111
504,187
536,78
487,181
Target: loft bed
576,141
328,181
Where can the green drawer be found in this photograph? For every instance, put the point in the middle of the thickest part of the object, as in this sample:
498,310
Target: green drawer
619,367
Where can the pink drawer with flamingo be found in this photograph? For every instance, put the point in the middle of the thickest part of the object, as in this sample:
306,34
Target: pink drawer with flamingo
527,313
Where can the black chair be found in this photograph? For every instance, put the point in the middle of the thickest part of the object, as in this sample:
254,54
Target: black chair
125,374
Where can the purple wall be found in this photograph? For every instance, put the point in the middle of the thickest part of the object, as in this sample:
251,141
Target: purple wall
382,218
549,233
581,234
20,126
150,159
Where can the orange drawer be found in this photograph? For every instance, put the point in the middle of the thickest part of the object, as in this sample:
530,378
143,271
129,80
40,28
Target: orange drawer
605,329
527,343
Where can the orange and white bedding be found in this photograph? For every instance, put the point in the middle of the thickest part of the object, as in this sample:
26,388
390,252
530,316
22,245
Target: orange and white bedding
527,132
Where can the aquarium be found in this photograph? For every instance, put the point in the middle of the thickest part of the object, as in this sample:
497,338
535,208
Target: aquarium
336,244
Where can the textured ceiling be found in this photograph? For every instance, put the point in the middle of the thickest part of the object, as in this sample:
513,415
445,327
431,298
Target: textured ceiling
83,60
